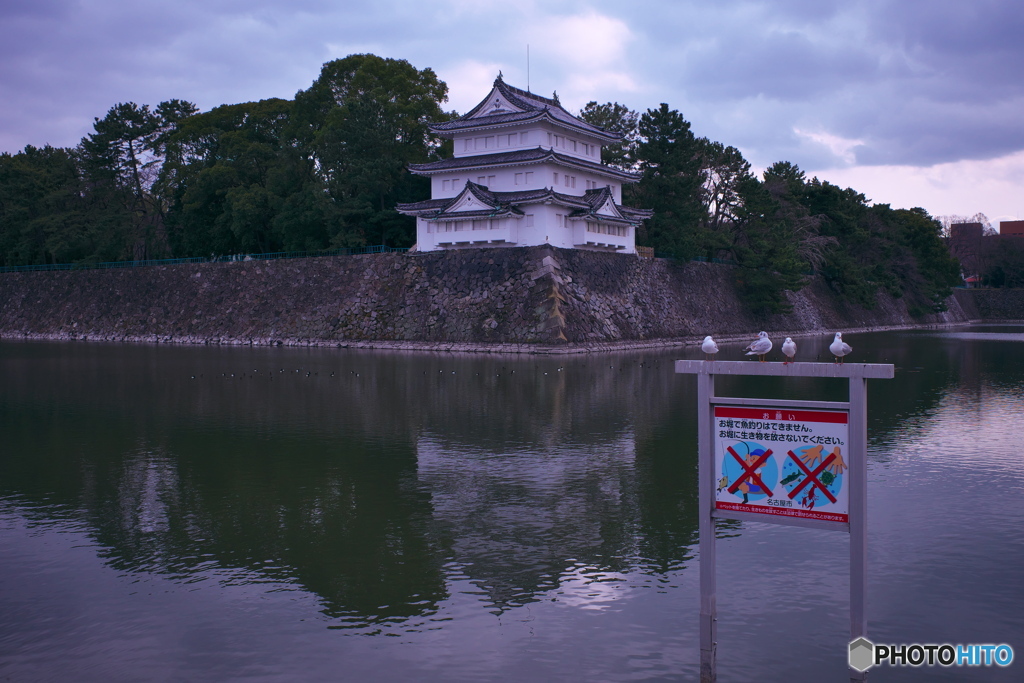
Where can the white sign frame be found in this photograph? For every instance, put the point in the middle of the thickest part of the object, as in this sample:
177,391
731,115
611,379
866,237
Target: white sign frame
855,407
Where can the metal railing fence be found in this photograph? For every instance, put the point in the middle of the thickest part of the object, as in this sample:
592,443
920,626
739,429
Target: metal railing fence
270,256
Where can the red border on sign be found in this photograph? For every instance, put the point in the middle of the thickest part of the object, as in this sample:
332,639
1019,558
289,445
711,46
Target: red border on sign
797,415
782,512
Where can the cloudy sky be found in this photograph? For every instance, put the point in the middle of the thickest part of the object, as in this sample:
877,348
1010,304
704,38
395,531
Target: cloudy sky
912,102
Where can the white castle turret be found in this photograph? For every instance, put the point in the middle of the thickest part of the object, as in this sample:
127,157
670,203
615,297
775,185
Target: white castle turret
525,172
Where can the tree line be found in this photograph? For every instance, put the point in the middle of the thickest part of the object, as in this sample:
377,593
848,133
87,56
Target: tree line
777,228
325,170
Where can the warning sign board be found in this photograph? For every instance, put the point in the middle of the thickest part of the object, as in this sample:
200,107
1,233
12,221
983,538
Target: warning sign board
779,462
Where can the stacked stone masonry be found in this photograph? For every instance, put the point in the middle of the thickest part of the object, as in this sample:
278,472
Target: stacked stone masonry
506,299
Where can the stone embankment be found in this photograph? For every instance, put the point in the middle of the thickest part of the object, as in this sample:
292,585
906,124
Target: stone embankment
533,299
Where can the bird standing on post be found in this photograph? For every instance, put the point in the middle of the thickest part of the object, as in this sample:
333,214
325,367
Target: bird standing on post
839,348
709,347
789,349
760,346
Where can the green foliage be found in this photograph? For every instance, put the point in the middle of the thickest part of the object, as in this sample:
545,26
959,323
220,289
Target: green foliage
707,204
120,161
324,170
41,208
899,251
766,233
937,272
668,157
362,122
615,118
1003,261
227,174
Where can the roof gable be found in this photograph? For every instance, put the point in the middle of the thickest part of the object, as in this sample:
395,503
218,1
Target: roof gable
602,203
472,198
497,103
608,208
505,104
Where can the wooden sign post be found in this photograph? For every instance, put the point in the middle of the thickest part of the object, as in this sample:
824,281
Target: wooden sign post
801,463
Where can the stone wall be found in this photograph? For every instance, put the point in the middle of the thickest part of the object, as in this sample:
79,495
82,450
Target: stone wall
995,304
484,298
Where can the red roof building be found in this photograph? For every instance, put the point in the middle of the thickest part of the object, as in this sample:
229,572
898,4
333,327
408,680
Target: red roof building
1013,228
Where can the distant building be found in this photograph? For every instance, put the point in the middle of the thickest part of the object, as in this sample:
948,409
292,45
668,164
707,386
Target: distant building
1011,228
966,232
965,246
525,172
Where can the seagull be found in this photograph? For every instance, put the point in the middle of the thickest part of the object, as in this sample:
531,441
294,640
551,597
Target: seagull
789,349
839,348
709,347
760,346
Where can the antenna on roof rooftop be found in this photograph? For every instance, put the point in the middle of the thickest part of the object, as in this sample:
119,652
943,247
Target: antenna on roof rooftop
527,67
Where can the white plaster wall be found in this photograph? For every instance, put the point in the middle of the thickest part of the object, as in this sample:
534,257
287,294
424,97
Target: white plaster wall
561,139
543,135
504,180
479,143
516,232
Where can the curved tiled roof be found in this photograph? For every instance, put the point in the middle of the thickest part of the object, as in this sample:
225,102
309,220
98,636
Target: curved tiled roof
525,156
505,204
532,106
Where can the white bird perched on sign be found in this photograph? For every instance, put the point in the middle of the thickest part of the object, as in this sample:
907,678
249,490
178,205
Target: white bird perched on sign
760,346
709,347
839,348
789,349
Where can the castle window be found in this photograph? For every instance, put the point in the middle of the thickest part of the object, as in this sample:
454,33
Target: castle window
529,220
466,145
524,138
446,185
519,178
556,179
529,177
560,220
572,145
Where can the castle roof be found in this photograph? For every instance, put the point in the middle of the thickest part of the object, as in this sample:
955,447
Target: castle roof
476,201
537,155
506,105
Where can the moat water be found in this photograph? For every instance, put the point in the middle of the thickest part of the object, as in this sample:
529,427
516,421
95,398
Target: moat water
178,513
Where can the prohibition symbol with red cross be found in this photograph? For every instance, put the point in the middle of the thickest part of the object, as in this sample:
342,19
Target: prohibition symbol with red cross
778,462
750,471
812,477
